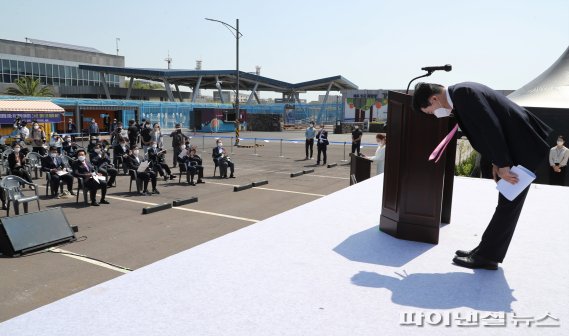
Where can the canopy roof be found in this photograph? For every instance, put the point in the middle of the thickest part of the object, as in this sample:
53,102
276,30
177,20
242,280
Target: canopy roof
550,89
226,78
29,106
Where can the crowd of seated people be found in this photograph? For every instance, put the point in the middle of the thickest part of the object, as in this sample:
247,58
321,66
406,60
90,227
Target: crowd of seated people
65,161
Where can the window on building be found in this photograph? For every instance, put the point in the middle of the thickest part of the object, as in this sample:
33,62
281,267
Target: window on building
28,68
36,70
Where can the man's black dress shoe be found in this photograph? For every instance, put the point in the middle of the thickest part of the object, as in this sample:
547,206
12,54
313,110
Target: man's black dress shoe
104,202
94,204
464,253
474,261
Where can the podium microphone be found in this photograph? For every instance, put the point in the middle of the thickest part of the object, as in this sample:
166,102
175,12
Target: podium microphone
430,70
446,68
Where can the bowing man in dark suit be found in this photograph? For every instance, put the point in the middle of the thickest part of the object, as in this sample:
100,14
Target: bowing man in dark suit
504,133
321,144
58,172
17,162
84,169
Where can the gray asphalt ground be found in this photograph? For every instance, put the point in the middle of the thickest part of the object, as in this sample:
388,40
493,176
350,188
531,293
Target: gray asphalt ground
119,234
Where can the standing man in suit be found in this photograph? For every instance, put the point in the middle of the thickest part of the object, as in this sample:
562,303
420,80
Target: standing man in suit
178,143
54,165
91,178
321,144
133,133
356,139
309,134
506,134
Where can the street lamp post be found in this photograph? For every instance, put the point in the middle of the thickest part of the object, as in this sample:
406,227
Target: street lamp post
237,34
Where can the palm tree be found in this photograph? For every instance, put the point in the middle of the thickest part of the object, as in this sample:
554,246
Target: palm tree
28,86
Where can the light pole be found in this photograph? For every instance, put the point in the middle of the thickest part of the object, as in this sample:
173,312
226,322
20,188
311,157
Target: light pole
237,34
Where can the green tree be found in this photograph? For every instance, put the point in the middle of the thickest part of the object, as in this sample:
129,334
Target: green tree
28,86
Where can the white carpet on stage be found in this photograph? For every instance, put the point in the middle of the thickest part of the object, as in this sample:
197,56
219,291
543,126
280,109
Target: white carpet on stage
325,269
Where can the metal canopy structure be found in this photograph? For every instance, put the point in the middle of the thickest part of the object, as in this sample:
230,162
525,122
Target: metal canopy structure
218,79
548,90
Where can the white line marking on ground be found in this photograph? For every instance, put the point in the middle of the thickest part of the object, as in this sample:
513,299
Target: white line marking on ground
271,189
88,260
186,209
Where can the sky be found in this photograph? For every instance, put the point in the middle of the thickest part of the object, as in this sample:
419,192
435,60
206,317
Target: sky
375,44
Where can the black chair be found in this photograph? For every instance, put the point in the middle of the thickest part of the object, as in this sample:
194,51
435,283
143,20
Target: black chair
134,177
81,186
183,170
11,187
216,164
48,185
34,163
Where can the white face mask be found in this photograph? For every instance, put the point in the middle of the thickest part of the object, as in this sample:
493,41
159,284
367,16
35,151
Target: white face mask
154,146
136,152
16,150
36,127
81,158
442,112
53,155
219,145
97,150
560,143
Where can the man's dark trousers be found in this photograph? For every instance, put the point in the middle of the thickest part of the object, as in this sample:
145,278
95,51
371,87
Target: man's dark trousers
497,236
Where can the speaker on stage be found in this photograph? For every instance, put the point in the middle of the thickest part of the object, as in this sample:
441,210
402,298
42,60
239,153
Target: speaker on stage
32,231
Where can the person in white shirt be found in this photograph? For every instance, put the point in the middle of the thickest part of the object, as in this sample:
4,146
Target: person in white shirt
558,157
379,157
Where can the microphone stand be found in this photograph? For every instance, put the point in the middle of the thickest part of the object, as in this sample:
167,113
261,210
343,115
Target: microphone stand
429,72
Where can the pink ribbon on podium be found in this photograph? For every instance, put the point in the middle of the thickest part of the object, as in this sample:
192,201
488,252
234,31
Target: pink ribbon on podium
438,152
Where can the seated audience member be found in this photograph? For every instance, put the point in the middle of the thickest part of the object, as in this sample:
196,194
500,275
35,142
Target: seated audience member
120,152
156,159
102,164
92,142
84,169
132,161
17,161
69,147
222,160
56,142
54,165
193,166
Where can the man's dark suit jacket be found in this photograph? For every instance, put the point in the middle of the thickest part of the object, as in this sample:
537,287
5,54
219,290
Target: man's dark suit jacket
47,163
500,130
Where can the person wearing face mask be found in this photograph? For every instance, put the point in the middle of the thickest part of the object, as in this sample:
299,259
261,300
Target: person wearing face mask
102,164
145,136
93,128
92,179
322,144
117,134
379,157
58,172
504,133
156,135
56,142
221,160
157,164
38,139
69,147
133,133
120,152
309,134
356,139
17,163
132,161
178,140
558,157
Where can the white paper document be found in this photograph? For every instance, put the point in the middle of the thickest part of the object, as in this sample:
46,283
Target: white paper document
142,167
511,191
61,172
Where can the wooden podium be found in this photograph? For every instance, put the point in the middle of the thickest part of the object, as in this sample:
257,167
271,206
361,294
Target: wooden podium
360,168
417,193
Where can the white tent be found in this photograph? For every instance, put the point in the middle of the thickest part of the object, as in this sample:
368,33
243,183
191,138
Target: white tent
548,90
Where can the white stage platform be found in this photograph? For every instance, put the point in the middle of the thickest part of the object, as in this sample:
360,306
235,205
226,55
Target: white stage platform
325,269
